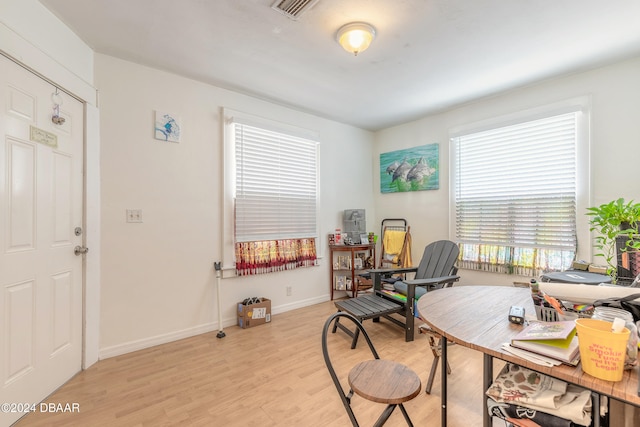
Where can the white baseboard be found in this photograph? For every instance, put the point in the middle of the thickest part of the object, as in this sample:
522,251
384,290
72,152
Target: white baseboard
141,344
283,308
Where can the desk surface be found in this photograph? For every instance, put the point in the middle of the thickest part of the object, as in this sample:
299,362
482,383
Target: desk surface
476,317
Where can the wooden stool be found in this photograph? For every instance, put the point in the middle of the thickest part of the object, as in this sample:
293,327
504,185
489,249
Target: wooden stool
385,381
376,380
434,343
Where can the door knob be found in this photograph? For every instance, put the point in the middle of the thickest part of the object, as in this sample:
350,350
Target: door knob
79,250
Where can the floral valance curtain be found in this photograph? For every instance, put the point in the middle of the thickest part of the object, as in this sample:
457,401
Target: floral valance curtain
512,260
274,255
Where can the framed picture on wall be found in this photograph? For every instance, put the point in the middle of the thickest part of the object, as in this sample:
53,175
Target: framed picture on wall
167,127
411,169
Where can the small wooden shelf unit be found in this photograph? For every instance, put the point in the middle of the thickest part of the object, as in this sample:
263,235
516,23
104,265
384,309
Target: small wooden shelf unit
347,262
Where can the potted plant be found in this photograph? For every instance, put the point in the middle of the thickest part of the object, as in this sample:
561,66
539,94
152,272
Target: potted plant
610,220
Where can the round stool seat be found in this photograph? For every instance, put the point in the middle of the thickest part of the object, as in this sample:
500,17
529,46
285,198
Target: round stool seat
384,381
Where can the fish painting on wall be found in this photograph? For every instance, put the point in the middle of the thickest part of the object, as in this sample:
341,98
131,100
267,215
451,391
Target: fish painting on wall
411,169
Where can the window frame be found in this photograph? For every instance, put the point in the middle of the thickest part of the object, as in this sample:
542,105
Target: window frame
229,116
581,105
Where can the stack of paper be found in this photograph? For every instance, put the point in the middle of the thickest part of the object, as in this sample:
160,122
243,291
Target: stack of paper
557,340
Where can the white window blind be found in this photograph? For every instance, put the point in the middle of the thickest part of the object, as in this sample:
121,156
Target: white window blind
516,185
276,184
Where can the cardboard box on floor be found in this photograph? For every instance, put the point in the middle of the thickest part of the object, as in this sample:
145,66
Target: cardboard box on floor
254,314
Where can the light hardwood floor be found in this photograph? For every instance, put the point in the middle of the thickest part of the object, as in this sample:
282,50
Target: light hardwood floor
269,375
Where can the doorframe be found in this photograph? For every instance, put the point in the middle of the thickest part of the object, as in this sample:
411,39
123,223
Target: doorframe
25,54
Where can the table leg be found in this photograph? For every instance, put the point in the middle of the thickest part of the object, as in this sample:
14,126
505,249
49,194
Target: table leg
595,409
443,397
487,380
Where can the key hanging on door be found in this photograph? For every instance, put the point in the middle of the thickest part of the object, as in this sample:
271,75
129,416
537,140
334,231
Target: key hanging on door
57,102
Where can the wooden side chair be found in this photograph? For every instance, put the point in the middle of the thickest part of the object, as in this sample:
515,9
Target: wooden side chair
376,380
435,344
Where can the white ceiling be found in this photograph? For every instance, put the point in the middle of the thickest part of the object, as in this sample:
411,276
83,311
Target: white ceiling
428,56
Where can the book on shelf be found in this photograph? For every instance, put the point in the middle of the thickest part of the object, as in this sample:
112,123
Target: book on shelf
395,295
557,340
569,355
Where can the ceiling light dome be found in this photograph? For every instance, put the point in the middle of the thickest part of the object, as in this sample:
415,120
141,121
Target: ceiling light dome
355,37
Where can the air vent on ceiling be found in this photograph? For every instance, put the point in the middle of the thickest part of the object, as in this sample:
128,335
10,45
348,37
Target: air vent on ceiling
293,8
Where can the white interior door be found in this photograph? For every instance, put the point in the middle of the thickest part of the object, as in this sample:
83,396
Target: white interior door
41,204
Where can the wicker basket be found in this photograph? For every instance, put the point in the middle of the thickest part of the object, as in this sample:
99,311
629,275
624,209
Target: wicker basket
549,314
364,283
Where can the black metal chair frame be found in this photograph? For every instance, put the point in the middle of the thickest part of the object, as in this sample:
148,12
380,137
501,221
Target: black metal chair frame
346,397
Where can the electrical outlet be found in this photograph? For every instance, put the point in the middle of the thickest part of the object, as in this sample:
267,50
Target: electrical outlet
288,291
134,215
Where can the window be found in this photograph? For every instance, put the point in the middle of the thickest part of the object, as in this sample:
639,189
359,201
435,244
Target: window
515,195
273,194
275,184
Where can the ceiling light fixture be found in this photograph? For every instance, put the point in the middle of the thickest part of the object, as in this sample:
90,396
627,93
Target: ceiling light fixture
355,37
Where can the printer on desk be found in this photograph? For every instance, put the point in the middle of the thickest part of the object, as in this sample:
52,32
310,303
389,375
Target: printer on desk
576,276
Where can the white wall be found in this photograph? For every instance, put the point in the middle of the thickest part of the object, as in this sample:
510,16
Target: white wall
615,154
158,281
34,36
